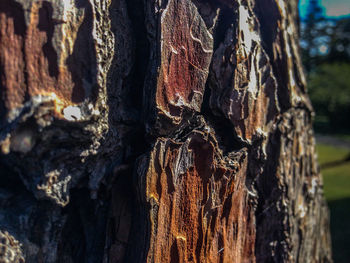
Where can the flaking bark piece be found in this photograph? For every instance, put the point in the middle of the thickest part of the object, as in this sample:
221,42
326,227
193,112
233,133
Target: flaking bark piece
199,209
186,48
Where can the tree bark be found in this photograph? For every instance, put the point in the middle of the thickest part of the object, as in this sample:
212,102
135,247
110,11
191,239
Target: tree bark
156,131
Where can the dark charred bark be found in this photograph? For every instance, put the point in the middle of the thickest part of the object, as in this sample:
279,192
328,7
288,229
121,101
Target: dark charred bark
156,131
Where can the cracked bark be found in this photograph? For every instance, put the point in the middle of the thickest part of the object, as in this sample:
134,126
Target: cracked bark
156,131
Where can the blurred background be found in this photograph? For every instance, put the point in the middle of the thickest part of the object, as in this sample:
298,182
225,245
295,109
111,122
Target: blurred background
325,43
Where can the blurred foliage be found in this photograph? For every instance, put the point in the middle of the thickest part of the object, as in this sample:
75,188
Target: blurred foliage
339,45
312,29
329,89
325,45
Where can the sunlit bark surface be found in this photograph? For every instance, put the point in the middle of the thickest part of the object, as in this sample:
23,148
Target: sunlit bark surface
156,131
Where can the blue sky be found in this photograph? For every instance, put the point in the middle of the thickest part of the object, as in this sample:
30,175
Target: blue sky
332,8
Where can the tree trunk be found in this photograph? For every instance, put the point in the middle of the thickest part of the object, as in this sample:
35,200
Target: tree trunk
156,131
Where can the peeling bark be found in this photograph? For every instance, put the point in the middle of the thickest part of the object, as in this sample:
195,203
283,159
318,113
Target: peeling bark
156,131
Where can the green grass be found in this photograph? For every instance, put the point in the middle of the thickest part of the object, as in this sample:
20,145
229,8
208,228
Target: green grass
337,191
328,153
336,178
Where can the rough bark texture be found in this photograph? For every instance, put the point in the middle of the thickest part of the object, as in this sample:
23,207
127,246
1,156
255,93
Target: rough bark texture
156,131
